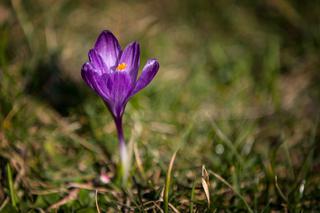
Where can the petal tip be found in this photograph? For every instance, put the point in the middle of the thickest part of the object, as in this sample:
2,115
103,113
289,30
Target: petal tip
106,36
107,33
153,62
134,44
108,47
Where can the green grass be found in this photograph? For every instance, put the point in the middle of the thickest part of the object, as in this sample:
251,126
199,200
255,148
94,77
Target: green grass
237,94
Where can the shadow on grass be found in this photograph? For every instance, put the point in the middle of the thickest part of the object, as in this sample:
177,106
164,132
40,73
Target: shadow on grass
50,84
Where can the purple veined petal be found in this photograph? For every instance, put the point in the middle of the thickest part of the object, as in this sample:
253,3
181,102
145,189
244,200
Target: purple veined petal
99,82
130,59
97,62
120,88
148,72
108,48
86,74
95,81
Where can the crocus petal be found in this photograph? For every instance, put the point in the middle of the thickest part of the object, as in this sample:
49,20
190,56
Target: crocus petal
86,74
108,48
114,88
131,57
120,87
149,71
96,81
100,85
97,62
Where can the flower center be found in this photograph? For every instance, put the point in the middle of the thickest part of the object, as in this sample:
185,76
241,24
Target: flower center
121,67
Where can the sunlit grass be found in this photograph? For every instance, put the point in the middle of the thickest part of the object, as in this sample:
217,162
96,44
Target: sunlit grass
237,92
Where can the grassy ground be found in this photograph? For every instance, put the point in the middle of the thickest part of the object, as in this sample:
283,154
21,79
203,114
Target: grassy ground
237,95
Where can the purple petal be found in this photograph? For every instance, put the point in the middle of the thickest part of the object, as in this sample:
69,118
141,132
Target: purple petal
99,82
120,87
97,62
108,48
86,73
131,57
95,81
148,72
114,88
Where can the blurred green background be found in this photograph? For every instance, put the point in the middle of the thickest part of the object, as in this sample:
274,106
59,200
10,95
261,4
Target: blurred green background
237,91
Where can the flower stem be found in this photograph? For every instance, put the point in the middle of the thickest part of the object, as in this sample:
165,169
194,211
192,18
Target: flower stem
125,163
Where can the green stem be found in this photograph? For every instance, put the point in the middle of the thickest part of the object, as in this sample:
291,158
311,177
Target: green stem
125,161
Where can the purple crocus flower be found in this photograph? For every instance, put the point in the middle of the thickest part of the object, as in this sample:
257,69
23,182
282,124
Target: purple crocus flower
112,74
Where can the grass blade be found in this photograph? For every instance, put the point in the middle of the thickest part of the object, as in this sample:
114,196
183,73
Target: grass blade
205,184
167,184
235,191
97,204
11,187
192,196
279,190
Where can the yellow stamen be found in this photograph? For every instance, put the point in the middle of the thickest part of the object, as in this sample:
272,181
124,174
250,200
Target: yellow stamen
121,67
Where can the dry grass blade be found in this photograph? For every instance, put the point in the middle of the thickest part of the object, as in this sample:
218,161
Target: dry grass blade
138,160
279,190
235,191
174,209
70,197
154,206
167,184
4,203
158,207
40,210
205,183
97,204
